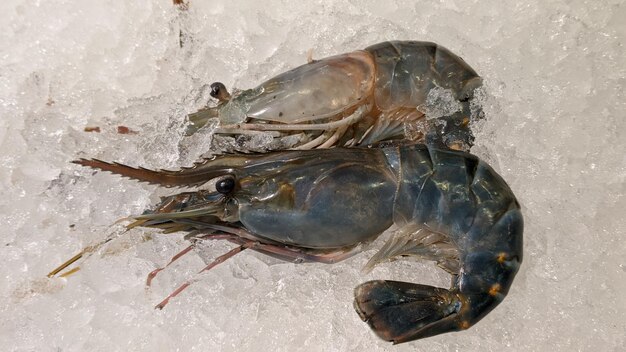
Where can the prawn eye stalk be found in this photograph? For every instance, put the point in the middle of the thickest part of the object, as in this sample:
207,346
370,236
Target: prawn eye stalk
325,205
219,92
226,185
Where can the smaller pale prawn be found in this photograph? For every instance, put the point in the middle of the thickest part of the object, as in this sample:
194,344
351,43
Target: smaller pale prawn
356,99
327,205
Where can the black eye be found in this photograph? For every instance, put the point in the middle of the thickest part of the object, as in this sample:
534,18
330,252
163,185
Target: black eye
225,185
217,88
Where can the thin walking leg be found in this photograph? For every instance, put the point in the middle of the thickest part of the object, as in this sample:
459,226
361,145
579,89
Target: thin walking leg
185,251
217,261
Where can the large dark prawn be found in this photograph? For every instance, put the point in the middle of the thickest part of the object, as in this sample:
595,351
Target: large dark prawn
325,205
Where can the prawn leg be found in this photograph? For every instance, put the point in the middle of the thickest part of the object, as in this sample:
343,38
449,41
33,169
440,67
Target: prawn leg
180,254
413,240
154,272
276,251
214,263
300,256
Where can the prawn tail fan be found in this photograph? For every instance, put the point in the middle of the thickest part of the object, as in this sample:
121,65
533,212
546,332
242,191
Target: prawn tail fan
401,311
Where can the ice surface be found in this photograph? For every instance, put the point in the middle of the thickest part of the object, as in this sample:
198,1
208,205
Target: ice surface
554,102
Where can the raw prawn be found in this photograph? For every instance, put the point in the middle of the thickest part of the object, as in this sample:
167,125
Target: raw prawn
356,99
327,205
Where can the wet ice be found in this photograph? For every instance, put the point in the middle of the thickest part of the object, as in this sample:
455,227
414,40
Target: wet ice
554,128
